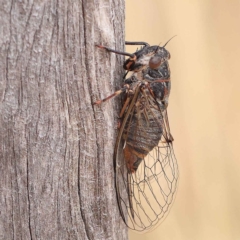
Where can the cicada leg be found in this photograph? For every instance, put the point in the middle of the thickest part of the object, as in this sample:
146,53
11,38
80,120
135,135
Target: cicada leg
124,89
136,43
131,55
116,51
126,103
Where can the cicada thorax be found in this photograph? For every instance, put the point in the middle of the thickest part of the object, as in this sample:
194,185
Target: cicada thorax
160,84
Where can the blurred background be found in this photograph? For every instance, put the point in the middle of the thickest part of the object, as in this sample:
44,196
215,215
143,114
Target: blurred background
204,111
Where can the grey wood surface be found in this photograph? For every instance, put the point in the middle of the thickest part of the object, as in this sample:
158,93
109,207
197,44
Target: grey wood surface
56,166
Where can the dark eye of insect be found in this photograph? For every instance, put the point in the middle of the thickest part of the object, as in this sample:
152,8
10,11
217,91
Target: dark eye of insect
155,62
146,170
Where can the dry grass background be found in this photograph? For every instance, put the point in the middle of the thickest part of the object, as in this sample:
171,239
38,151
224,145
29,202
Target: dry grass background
204,111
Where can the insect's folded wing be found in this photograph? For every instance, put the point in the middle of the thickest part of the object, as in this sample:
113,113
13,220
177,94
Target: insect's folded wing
146,187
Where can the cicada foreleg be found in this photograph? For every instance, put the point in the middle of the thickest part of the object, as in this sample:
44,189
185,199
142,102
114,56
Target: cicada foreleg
136,43
131,55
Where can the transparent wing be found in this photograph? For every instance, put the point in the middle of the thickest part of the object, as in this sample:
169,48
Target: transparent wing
145,196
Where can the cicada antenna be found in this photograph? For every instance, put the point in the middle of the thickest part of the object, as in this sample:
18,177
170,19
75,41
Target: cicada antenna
168,41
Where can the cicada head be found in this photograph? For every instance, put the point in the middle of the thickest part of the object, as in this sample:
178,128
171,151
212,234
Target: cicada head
152,56
159,58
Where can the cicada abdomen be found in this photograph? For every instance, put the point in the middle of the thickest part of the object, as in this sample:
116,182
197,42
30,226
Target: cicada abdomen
142,132
147,178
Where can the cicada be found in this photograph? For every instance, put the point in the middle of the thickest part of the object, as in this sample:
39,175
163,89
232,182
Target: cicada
146,180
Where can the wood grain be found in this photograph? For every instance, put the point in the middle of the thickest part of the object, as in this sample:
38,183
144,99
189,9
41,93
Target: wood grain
56,169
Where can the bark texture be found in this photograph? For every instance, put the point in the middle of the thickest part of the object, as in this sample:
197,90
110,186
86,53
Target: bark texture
56,169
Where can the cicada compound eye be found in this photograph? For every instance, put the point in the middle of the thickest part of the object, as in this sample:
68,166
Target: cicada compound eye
155,62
